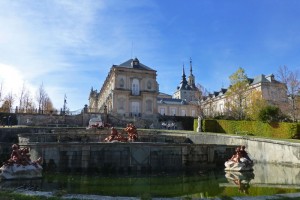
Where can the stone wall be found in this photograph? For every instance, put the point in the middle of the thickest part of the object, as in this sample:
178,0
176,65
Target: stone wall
261,150
78,149
68,147
94,135
126,157
50,120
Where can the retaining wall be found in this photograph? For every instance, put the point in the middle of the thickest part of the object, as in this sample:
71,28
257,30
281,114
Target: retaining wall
261,150
126,157
53,120
65,148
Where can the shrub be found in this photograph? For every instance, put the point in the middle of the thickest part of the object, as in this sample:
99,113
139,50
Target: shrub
270,114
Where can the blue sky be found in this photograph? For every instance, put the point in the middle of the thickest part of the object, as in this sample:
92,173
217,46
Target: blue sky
69,46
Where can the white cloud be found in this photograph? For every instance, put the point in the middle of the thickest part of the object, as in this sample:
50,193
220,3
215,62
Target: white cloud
56,42
34,38
12,80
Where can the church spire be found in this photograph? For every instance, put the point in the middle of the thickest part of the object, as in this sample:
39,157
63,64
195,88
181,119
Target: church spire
191,67
191,78
183,76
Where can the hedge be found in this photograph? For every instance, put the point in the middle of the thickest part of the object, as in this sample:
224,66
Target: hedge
282,130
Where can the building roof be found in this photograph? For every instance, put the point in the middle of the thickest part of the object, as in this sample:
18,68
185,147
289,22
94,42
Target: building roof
252,81
260,79
164,94
131,64
184,84
171,101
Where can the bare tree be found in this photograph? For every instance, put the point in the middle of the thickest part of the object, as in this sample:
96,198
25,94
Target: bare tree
1,92
44,102
7,103
200,93
40,97
47,105
28,104
22,98
291,80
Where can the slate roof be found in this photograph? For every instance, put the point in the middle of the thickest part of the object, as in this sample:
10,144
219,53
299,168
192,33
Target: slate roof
161,93
252,81
128,64
171,101
184,84
260,79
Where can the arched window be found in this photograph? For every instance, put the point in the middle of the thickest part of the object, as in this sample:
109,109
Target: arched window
148,106
121,82
135,89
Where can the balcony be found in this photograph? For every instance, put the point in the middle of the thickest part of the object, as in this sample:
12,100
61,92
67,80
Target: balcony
135,93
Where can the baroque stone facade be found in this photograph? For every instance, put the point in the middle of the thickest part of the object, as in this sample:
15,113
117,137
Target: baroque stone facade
131,89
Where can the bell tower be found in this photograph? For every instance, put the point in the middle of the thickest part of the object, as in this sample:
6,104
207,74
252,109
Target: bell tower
191,78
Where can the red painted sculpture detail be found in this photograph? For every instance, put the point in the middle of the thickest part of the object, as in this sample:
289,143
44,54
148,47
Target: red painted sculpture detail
21,157
132,132
20,166
116,136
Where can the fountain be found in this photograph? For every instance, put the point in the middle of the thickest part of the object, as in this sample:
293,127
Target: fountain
240,161
121,150
160,152
20,166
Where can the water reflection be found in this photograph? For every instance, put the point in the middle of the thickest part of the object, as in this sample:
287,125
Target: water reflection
241,179
264,180
276,175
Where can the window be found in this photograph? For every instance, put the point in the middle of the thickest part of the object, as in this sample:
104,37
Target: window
173,111
162,111
183,113
121,82
149,85
135,87
135,107
221,107
121,104
193,113
149,106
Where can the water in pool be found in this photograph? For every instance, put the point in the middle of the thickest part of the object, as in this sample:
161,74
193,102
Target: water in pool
266,179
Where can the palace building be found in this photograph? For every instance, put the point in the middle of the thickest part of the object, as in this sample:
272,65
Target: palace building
131,89
270,89
183,102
